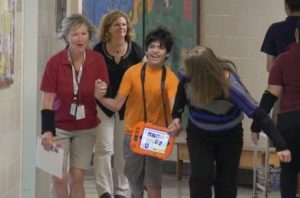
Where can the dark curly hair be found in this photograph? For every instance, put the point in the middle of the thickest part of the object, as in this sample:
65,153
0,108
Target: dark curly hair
162,35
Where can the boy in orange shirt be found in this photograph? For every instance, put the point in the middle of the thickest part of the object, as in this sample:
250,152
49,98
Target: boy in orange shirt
144,85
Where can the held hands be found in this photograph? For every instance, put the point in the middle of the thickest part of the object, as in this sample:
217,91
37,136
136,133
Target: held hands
284,156
100,88
175,127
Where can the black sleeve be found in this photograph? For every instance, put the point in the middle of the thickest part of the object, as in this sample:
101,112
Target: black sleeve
48,121
269,42
180,101
262,119
266,103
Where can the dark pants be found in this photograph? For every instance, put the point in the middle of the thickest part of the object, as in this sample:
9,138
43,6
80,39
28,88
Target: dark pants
289,126
214,162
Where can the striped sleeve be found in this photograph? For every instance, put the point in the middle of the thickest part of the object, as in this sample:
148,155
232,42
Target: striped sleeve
239,95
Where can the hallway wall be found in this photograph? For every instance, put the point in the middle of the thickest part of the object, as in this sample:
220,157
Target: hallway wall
48,44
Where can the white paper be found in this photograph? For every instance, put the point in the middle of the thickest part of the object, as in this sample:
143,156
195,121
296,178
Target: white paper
49,161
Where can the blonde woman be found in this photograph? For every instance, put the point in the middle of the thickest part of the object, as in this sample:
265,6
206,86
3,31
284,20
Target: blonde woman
217,99
120,52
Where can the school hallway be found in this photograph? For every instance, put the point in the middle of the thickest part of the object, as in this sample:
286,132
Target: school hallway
172,188
233,29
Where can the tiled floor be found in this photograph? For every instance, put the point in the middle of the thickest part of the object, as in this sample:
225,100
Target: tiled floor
172,188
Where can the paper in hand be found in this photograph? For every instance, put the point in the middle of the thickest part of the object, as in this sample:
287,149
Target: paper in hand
50,161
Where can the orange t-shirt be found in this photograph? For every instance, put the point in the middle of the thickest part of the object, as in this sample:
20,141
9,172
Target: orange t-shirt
131,86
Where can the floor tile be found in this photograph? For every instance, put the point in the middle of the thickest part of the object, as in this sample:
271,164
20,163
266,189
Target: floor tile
172,188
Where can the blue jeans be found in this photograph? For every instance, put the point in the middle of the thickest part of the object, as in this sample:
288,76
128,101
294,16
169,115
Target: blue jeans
214,162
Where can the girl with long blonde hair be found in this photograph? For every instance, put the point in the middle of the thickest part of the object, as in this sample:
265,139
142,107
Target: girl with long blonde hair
216,100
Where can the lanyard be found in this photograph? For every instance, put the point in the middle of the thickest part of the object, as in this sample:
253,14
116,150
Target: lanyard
76,81
163,79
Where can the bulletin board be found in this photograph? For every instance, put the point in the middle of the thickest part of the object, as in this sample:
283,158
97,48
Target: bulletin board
6,42
181,17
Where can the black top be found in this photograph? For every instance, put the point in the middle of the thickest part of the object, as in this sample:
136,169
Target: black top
116,71
279,36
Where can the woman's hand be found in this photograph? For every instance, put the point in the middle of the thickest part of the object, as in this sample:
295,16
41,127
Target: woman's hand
175,127
100,88
47,140
255,137
284,156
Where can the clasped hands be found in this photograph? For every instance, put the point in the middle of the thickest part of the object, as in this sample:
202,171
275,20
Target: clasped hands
175,127
100,89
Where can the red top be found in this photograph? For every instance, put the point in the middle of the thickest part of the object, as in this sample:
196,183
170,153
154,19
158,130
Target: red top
286,72
57,79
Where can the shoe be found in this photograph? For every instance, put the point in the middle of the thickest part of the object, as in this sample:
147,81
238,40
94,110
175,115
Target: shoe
119,196
105,195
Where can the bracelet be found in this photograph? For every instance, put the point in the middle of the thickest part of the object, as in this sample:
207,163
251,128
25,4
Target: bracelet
48,121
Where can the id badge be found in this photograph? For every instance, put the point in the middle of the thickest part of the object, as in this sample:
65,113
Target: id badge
73,109
80,114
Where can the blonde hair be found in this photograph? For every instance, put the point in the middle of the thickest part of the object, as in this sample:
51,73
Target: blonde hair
73,21
207,76
106,22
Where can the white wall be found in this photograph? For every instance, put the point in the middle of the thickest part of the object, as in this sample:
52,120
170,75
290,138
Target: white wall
48,44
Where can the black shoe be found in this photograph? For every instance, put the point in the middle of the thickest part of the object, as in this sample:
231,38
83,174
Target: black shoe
119,196
105,195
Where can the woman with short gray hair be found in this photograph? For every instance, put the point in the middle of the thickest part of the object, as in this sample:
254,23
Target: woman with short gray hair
69,115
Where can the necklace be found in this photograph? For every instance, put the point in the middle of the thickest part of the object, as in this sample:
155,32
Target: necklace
118,49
